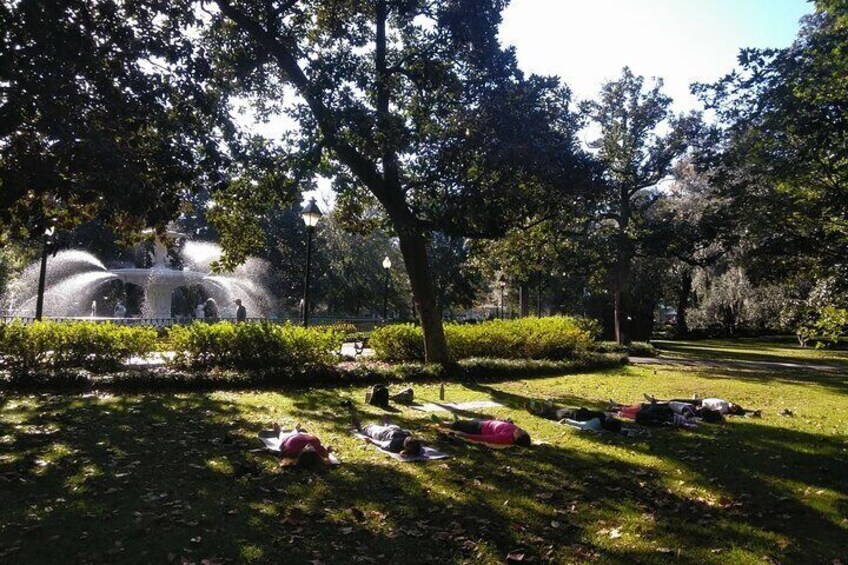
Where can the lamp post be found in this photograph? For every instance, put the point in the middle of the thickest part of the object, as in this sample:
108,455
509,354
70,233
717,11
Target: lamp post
387,265
42,275
502,284
310,214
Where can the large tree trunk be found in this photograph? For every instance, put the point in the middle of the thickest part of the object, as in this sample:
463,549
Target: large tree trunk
524,299
624,256
683,293
413,247
622,325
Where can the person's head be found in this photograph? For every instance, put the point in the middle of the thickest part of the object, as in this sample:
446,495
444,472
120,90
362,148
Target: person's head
309,458
411,447
711,416
238,301
611,425
736,410
521,437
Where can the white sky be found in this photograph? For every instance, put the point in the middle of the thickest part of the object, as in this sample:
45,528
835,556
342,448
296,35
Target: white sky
587,42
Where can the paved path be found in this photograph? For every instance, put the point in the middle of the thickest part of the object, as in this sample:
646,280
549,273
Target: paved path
737,363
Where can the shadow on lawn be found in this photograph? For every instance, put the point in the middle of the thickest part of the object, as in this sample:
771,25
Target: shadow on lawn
132,479
756,351
778,477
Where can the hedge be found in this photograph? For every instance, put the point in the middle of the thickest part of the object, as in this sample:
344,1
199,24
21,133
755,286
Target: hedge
635,349
97,347
554,338
252,346
168,379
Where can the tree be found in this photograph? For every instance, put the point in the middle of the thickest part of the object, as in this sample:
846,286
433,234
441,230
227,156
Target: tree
93,122
635,157
783,151
693,226
413,104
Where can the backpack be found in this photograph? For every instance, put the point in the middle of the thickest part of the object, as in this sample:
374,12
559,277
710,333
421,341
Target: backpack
405,396
378,396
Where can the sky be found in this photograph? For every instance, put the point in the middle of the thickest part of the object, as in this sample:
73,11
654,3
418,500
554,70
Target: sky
587,42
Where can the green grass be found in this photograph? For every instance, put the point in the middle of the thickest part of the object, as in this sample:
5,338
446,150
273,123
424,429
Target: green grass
159,478
752,349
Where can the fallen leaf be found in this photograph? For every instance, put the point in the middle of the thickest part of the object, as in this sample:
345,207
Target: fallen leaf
515,556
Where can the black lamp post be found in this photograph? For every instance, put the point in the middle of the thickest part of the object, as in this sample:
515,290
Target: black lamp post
502,284
311,214
42,275
387,265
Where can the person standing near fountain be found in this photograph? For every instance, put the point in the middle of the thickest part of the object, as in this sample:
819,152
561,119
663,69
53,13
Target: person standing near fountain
210,310
241,311
120,310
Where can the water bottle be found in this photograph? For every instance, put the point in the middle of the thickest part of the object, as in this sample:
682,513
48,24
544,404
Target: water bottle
442,391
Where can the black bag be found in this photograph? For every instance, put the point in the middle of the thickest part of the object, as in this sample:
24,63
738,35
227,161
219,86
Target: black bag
379,396
654,415
405,396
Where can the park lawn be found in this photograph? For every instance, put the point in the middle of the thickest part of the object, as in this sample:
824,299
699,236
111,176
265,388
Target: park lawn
172,478
784,350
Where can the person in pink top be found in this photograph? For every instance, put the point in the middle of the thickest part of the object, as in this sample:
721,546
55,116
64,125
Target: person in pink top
496,432
298,447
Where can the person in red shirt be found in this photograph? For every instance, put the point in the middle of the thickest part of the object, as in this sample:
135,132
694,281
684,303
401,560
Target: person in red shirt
495,432
298,447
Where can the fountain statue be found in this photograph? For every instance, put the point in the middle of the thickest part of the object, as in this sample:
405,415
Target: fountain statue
75,278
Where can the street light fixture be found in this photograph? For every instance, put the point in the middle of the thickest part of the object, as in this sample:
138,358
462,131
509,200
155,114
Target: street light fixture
387,265
42,275
310,214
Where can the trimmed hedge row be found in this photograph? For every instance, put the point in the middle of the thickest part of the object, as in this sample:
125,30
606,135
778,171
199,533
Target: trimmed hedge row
166,379
635,349
555,338
252,346
97,347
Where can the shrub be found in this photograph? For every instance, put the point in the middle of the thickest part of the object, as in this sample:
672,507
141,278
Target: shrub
398,342
98,347
641,349
161,378
555,338
252,346
826,327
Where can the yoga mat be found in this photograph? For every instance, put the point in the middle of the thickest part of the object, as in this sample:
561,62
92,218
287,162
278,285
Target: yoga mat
465,438
448,406
271,439
427,454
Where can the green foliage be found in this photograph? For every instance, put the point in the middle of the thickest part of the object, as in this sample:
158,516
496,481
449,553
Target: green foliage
526,338
635,348
146,379
782,154
828,328
252,346
88,345
398,342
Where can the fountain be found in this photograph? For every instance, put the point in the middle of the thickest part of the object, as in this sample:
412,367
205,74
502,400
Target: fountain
76,278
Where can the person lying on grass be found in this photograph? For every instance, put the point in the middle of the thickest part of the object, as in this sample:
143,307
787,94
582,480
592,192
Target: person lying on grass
657,414
389,437
581,418
298,447
723,407
495,432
